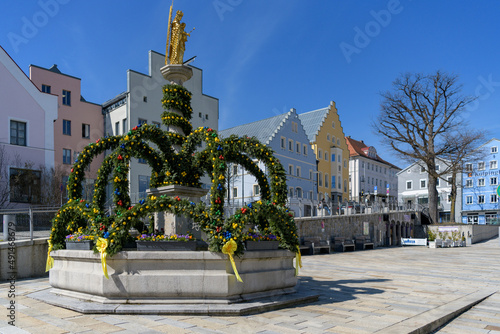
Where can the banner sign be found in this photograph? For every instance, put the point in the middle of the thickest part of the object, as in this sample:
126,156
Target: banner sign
413,242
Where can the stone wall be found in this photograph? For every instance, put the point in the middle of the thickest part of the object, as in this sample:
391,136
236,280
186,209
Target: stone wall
384,229
30,258
477,233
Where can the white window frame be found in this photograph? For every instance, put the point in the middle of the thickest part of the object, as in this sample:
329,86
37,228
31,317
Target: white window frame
480,199
480,165
468,200
494,149
493,198
493,164
493,178
481,182
410,183
425,183
283,143
469,183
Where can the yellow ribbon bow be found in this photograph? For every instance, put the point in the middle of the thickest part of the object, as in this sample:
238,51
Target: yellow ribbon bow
298,261
102,244
50,260
229,248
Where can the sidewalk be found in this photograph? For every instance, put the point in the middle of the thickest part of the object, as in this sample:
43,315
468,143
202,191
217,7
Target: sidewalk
386,290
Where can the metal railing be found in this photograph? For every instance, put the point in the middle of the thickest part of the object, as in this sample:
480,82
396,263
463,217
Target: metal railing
31,222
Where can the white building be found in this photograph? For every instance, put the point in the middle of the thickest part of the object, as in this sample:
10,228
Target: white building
413,190
371,178
141,103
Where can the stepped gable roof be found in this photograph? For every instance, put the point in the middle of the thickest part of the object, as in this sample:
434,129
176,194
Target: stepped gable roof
264,130
312,121
359,148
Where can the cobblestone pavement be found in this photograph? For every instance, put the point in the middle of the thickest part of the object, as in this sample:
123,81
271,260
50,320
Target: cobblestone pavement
386,290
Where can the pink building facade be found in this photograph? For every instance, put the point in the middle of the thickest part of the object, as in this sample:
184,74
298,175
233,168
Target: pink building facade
26,134
78,123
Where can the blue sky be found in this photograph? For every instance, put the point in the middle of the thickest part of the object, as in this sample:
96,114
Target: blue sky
263,57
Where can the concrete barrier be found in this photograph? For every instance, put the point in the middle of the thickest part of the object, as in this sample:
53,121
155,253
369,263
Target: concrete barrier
23,259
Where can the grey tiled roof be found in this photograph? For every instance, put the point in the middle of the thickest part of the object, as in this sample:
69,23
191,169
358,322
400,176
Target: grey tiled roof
311,121
263,130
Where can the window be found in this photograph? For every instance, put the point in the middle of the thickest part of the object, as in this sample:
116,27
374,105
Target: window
468,199
326,156
25,185
362,164
423,184
66,97
468,184
298,171
345,163
145,99
157,124
283,140
493,164
17,133
328,137
333,157
297,147
408,185
46,89
320,154
304,149
66,127
290,145
422,169
85,130
494,149
295,127
333,125
311,195
493,181
235,192
437,182
468,167
66,156
345,185
326,180
320,179
235,169
333,181
290,192
480,165
299,192
143,185
290,169
310,174
493,198
124,125
141,161
206,116
256,190
480,182
480,199
436,167
199,114
117,128
143,121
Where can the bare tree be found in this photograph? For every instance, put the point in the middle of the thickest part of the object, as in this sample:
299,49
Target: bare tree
465,142
420,118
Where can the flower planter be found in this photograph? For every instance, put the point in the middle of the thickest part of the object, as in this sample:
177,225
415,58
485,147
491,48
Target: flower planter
261,245
166,245
80,245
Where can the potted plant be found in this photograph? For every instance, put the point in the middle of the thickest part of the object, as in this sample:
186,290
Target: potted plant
254,241
81,240
161,242
431,238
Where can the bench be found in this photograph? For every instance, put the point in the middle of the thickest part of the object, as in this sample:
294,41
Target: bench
363,242
342,245
304,249
316,245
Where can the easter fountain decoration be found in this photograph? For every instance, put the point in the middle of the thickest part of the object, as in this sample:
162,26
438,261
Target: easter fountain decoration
225,274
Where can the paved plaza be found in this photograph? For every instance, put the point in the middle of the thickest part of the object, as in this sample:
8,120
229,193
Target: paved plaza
386,290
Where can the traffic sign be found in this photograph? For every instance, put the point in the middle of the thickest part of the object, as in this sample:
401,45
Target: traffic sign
498,190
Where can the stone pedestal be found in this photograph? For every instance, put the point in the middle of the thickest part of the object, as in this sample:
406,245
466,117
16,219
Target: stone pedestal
176,224
176,73
140,277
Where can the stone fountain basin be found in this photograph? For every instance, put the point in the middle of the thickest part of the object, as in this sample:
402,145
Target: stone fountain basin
159,277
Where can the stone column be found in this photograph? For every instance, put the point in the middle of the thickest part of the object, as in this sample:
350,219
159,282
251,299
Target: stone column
174,224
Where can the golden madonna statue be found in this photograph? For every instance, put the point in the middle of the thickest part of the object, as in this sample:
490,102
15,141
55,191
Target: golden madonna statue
176,39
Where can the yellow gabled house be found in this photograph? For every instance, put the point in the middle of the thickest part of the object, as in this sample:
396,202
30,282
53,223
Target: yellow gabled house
327,139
